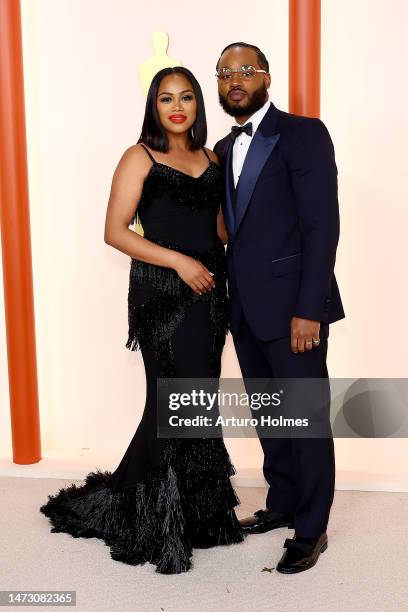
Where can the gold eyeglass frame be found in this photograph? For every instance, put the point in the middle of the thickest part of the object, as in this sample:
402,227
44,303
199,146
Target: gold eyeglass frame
219,73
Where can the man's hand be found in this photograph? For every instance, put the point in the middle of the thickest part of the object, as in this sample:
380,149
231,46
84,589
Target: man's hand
304,334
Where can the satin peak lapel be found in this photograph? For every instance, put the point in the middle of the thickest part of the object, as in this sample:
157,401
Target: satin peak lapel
259,150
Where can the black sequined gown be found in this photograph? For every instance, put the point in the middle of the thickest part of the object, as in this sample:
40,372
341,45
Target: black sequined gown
167,496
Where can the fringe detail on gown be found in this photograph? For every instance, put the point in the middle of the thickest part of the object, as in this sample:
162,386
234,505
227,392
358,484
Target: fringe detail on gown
156,318
186,502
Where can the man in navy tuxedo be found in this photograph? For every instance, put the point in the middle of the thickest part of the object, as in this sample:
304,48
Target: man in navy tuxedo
282,218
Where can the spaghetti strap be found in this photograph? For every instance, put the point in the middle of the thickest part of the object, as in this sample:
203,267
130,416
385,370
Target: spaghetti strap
148,152
206,154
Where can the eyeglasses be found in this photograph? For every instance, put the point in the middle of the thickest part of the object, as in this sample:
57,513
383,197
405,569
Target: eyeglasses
247,73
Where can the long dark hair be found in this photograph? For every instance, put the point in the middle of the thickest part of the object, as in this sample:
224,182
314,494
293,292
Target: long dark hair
153,133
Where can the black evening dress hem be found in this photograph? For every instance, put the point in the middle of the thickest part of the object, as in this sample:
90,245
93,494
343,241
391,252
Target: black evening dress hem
177,508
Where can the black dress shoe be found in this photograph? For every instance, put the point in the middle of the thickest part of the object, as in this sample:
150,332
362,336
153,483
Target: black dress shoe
265,520
301,554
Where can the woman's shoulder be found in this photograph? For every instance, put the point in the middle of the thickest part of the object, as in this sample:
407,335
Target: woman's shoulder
134,163
138,156
213,156
137,152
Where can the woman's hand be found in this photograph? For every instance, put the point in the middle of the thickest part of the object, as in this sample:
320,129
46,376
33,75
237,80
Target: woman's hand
194,273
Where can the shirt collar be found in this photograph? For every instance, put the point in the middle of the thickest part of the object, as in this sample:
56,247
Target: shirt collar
257,117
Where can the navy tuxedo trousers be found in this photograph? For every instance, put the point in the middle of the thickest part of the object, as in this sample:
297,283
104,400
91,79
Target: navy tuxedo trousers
300,471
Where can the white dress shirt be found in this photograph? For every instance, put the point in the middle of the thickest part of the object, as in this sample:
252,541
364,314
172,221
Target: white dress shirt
242,142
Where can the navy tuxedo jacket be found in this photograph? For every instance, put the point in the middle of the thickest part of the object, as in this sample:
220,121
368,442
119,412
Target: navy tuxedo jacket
283,225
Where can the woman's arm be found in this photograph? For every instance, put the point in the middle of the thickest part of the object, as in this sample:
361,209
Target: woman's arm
221,229
126,190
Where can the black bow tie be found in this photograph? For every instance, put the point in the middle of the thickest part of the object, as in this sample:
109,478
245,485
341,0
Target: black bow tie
236,130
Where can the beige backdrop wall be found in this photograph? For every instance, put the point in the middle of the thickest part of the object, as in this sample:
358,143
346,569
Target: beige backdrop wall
85,106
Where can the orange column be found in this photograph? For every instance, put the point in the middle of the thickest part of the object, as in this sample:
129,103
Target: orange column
304,57
16,242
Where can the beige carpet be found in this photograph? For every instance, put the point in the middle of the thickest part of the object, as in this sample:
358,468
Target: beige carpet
364,568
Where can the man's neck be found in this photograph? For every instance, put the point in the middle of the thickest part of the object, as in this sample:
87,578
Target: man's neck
242,120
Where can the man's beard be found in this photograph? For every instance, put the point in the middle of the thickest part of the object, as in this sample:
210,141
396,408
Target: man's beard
256,101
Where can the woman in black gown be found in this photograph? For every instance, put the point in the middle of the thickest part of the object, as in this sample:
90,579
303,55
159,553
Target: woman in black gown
167,496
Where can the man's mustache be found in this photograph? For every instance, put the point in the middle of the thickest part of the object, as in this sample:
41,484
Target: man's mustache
237,89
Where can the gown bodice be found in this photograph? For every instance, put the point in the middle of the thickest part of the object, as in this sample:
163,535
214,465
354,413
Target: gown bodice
181,209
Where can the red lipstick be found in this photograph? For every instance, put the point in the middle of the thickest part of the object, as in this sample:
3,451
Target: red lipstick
178,118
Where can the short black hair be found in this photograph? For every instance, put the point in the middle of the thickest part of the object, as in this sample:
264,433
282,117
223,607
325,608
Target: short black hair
262,61
153,133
